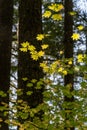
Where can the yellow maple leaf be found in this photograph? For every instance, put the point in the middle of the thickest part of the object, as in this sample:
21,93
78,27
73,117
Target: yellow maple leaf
34,57
64,72
47,14
40,53
31,48
80,58
25,44
60,69
80,27
70,62
40,37
51,7
72,13
55,7
60,7
44,66
23,49
44,46
57,17
75,36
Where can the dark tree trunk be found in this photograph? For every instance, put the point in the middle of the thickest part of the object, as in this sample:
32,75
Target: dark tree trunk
30,24
68,46
6,12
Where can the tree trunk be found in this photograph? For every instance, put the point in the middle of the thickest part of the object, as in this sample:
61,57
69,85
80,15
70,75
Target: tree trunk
68,46
30,24
6,12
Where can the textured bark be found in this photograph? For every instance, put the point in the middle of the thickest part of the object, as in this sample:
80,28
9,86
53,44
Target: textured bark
6,10
30,24
68,46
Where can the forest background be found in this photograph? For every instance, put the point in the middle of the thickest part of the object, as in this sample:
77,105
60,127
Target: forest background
43,65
